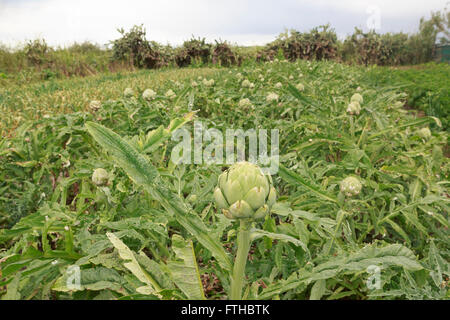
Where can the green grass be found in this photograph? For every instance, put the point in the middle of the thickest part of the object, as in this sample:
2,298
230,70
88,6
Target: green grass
155,224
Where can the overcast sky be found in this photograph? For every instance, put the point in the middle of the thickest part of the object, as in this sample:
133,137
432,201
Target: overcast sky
61,22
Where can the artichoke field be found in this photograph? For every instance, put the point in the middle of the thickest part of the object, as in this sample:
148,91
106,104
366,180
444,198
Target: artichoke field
91,190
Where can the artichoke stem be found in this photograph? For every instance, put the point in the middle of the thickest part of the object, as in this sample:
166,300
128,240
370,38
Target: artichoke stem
243,244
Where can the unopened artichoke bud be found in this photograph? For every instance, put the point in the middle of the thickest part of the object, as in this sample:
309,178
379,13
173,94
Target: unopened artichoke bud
100,177
245,192
247,84
357,97
192,198
300,87
208,83
424,133
94,105
128,92
170,94
245,103
149,94
351,186
272,97
353,108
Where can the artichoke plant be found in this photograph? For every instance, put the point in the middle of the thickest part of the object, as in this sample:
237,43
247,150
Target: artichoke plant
244,192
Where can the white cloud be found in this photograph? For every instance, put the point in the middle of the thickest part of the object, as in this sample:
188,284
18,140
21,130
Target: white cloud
245,22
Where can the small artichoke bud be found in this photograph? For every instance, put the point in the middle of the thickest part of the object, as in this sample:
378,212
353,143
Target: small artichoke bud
353,108
351,186
170,94
424,133
245,192
192,198
208,83
247,84
300,87
100,177
149,94
128,92
94,105
245,104
272,97
357,97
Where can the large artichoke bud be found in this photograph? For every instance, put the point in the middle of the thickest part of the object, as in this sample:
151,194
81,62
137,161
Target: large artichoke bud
245,192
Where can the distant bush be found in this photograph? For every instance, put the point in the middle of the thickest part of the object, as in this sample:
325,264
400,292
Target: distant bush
224,56
398,48
134,47
193,51
36,60
37,51
318,44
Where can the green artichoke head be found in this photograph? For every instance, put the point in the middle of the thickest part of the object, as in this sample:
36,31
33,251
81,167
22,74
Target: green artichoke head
354,108
128,92
351,186
357,97
100,177
245,192
424,133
